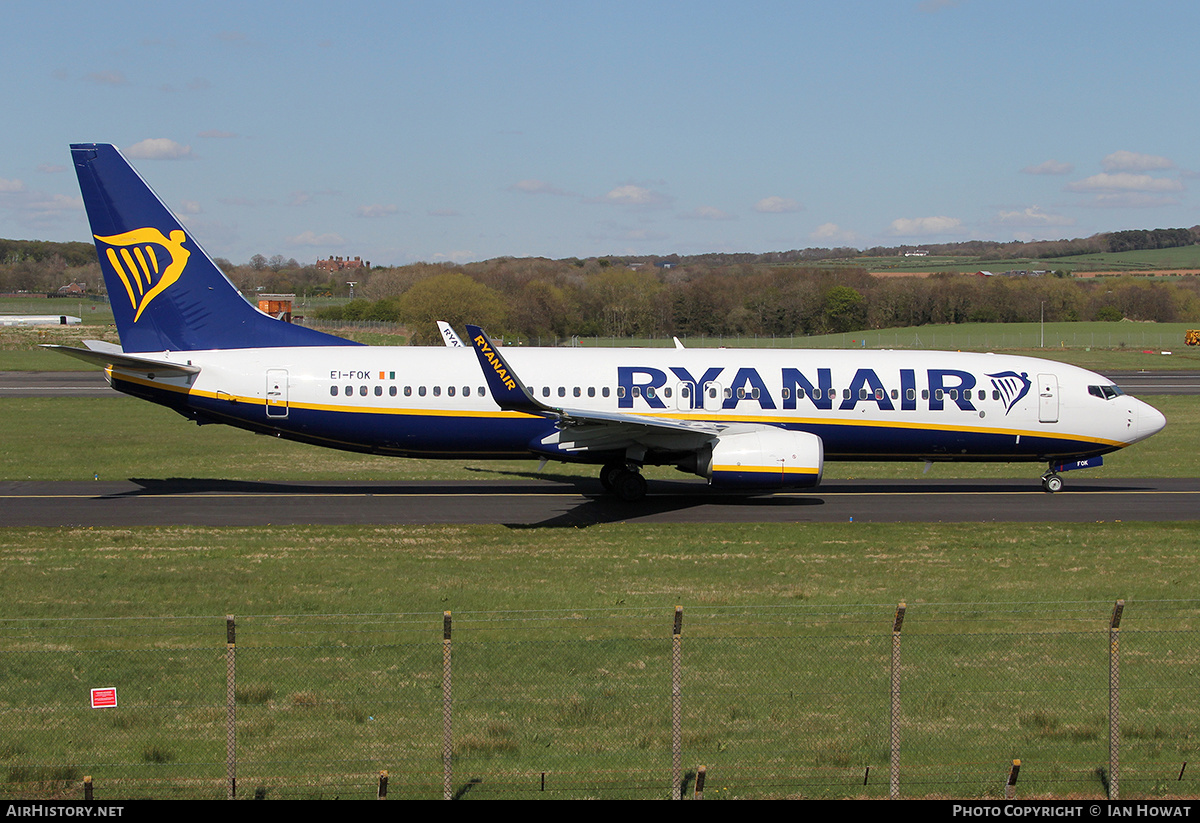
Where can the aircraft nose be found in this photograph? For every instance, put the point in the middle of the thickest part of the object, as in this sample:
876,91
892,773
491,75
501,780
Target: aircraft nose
1150,421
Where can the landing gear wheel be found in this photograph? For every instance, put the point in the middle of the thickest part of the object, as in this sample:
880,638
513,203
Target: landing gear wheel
608,474
1052,483
629,485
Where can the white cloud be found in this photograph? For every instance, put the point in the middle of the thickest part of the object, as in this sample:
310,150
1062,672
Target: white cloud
1032,217
310,238
707,213
917,226
1124,181
190,207
108,78
832,233
10,186
777,205
1049,167
158,148
217,133
51,168
1132,161
375,210
631,195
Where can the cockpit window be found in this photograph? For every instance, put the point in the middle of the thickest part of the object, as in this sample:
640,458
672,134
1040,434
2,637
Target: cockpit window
1105,392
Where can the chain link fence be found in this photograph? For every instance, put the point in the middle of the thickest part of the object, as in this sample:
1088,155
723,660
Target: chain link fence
966,700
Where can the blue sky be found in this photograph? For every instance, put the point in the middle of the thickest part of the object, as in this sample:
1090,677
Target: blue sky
406,131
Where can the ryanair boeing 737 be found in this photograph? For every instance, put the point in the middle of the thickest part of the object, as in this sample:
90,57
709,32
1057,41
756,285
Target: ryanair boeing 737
743,419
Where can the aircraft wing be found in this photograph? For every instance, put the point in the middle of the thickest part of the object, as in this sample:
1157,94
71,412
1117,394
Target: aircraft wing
104,355
586,429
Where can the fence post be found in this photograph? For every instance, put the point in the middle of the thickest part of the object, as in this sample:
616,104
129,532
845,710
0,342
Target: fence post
1114,701
894,781
230,709
381,792
676,706
1010,785
447,737
698,794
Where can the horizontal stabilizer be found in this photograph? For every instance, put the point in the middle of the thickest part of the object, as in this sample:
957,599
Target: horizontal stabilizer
120,360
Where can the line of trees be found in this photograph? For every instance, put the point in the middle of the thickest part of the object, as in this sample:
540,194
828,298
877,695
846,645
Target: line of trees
547,299
779,294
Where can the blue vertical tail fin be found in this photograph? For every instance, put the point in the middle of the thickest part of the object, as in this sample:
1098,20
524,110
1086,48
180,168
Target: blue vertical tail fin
166,293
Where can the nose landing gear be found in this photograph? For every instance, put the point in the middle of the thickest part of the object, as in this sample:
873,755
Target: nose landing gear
1051,482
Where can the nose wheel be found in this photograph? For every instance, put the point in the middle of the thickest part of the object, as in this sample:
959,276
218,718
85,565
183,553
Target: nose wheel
1051,482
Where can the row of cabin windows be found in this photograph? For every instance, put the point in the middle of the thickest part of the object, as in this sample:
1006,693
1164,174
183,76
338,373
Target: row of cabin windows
650,392
451,391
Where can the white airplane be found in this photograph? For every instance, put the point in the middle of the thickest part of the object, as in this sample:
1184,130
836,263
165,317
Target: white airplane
742,418
39,320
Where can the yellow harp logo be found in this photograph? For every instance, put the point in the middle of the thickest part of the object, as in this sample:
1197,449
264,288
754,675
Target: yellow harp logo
135,256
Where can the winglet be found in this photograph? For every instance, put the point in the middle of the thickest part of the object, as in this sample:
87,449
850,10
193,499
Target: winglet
507,389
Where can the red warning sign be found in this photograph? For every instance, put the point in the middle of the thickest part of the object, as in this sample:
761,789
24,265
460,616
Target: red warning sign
105,698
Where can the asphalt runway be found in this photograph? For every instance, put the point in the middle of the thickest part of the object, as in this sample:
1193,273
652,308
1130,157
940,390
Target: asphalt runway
531,503
92,383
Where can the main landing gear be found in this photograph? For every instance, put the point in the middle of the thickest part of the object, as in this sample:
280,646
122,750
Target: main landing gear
624,480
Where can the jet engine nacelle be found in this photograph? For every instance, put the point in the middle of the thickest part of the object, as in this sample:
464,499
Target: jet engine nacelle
765,458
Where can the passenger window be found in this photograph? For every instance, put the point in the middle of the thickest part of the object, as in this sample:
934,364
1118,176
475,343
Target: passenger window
604,391
408,391
379,391
562,391
577,392
450,391
333,391
437,391
362,390
349,391
421,391
392,391
591,391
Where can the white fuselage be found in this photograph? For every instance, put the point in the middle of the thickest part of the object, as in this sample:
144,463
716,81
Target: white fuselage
900,405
